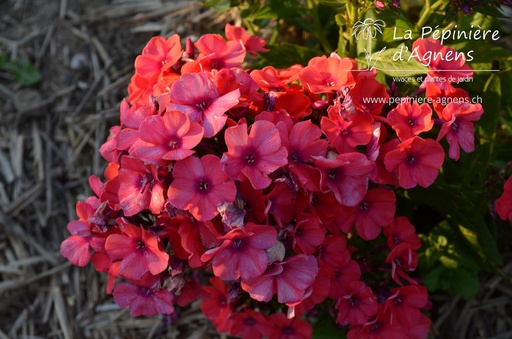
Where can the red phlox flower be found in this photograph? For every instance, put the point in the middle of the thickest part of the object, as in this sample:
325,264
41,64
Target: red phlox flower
250,324
357,306
144,297
420,330
158,57
379,173
346,176
199,186
138,250
403,259
444,62
333,253
409,119
308,234
139,88
216,53
327,74
342,278
195,236
168,137
503,204
405,303
375,211
417,162
190,291
291,279
252,43
285,328
343,134
442,97
324,206
228,80
294,101
196,95
242,253
402,231
253,201
216,306
253,156
139,187
378,328
272,79
368,95
458,127
76,248
319,292
281,203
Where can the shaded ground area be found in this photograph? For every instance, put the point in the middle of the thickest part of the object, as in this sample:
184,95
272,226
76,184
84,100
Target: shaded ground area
49,136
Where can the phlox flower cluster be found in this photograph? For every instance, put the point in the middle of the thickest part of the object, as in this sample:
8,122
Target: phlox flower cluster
268,193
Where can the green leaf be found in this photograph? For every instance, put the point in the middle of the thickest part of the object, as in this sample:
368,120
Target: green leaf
396,62
221,6
478,51
283,55
27,74
333,3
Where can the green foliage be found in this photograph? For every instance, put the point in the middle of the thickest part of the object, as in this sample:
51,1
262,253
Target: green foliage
24,72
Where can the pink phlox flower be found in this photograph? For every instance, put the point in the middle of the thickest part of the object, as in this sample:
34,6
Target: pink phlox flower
145,297
195,237
503,204
139,251
253,156
131,118
199,186
304,143
252,43
228,80
139,187
216,53
402,231
196,95
357,306
409,119
405,303
327,74
109,149
379,174
319,292
289,328
76,248
346,131
417,162
346,176
458,128
291,279
168,137
242,253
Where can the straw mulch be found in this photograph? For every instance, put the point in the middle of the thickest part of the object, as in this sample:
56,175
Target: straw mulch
49,139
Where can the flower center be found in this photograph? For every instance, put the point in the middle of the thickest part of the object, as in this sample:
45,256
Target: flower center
141,245
202,105
331,174
411,159
410,122
250,158
203,185
364,206
174,144
455,127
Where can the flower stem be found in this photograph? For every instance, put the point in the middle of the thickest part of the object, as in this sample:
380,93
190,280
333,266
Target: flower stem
427,12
